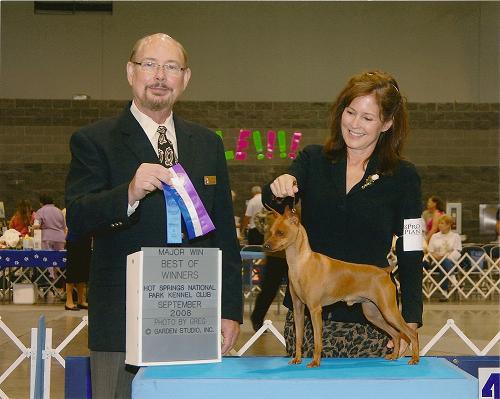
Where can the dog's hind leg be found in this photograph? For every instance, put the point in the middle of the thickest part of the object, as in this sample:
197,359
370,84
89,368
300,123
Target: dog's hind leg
390,311
298,318
372,313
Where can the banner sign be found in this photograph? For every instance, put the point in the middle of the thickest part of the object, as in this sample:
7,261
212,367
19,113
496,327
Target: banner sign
173,306
413,234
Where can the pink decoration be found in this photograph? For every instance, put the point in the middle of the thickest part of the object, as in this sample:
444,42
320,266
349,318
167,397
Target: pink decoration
294,145
271,143
242,144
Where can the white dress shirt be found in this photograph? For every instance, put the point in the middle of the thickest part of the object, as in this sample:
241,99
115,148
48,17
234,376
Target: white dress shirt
150,128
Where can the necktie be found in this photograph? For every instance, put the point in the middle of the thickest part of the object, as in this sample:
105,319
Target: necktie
166,152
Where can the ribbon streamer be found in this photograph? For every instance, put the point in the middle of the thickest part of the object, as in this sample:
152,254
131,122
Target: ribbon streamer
174,225
196,218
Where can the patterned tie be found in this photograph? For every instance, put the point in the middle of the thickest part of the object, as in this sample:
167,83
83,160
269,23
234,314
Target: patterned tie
166,152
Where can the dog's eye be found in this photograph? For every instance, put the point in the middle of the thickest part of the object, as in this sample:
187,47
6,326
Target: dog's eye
279,233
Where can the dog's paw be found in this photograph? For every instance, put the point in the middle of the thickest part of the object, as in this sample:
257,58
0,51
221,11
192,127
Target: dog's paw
413,361
391,356
295,360
314,363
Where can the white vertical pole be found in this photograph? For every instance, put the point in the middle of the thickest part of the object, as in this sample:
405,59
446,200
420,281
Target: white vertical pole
47,358
32,351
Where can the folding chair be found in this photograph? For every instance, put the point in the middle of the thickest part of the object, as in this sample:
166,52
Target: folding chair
473,270
495,252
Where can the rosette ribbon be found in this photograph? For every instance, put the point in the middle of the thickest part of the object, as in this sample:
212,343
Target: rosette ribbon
182,199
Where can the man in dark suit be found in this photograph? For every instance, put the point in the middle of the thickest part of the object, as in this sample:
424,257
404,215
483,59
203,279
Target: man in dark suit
114,192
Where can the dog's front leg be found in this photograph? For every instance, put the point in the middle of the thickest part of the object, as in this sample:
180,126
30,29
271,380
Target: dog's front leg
298,318
317,324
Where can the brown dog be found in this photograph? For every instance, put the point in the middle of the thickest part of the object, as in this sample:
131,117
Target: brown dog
316,280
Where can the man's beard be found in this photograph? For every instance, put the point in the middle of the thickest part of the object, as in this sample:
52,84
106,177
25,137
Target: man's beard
156,103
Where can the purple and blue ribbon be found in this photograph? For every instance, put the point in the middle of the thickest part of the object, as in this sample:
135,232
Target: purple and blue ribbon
182,199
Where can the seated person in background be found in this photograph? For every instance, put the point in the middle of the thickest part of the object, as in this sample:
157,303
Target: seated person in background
445,246
254,206
23,217
435,208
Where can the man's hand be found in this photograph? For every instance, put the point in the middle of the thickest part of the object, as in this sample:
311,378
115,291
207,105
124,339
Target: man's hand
230,330
403,345
148,177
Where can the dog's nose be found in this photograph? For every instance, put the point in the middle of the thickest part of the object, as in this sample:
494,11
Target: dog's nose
266,246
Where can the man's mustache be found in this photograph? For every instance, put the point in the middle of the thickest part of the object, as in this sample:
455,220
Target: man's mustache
158,86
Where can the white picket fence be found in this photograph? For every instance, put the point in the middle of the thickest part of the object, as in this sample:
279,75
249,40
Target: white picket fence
31,353
469,277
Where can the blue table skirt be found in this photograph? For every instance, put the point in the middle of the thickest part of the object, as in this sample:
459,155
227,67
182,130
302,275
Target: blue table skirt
32,258
272,377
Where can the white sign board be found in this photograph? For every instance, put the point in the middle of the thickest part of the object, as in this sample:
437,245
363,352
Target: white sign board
173,306
413,234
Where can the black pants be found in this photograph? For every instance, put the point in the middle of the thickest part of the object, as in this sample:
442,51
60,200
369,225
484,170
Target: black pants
274,271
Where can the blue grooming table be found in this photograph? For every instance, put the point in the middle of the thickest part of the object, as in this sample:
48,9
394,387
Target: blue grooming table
272,377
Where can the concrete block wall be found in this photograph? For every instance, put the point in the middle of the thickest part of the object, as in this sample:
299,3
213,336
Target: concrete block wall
454,145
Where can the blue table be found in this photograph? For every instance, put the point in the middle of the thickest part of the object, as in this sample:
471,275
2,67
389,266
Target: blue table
30,266
32,258
272,377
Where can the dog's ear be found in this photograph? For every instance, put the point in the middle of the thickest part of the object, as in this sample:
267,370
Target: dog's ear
291,215
287,212
276,213
293,219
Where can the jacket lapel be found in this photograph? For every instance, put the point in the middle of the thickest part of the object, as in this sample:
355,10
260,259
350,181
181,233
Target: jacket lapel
135,139
371,169
185,145
337,173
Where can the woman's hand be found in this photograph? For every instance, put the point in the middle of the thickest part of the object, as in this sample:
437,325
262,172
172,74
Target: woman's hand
284,186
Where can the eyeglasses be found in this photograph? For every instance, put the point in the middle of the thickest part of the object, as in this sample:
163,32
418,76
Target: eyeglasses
152,67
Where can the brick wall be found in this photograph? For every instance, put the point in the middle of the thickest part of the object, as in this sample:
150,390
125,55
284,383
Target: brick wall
454,145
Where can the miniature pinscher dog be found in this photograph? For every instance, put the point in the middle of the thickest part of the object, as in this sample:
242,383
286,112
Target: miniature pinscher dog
316,280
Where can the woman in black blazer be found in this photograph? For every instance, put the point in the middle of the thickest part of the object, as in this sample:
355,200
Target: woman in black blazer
356,192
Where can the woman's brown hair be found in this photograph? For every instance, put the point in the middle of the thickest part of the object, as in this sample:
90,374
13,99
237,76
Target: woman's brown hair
24,211
392,107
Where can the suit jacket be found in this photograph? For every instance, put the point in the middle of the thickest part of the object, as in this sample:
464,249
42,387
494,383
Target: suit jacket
358,227
105,157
